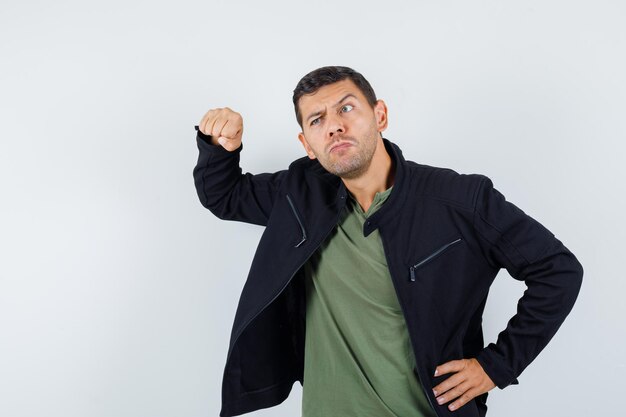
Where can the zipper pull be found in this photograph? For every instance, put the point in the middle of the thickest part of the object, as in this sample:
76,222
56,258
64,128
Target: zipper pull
412,270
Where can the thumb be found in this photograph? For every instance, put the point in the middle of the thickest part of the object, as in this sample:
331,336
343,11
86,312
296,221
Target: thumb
227,143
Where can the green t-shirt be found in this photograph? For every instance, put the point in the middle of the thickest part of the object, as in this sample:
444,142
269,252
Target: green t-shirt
358,356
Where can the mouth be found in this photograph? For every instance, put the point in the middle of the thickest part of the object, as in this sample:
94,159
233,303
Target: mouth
339,146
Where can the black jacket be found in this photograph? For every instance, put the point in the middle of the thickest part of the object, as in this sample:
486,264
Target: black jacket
445,235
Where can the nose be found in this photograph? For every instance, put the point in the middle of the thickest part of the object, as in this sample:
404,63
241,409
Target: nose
335,125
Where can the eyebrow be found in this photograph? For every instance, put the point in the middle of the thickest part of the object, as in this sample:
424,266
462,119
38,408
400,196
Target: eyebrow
317,113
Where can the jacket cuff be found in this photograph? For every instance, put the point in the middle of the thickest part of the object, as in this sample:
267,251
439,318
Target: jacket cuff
204,144
495,367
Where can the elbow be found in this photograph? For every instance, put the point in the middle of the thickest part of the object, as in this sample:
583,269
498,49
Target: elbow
573,270
218,210
579,271
565,274
211,204
574,280
210,201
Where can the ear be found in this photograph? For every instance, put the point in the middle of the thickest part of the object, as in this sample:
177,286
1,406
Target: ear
307,148
380,111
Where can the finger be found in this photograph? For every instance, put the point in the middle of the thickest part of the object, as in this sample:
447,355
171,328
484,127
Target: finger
452,366
228,144
450,383
230,129
215,114
203,122
227,129
454,393
466,397
218,125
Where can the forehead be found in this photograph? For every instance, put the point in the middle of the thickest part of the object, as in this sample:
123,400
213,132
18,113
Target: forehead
329,95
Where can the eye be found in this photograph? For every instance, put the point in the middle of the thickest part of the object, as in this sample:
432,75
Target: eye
349,106
313,122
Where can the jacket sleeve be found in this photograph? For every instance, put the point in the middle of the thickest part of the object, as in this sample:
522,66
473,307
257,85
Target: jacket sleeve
227,192
511,239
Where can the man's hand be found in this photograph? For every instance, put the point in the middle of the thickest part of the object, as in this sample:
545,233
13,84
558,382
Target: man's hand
469,381
225,127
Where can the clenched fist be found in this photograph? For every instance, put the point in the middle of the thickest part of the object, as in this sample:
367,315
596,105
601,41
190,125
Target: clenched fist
225,127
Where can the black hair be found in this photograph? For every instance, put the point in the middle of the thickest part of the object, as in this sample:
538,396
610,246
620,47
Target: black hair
320,77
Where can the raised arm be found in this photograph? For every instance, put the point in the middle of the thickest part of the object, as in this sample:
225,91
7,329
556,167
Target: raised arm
221,186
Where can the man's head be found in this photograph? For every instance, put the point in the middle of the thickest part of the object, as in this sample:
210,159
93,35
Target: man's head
341,119
320,77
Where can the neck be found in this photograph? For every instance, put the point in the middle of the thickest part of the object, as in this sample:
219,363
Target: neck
378,177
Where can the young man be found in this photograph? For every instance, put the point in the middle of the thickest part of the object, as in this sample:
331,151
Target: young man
371,277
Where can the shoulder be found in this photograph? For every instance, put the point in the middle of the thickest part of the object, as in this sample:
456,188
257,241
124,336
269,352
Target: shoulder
306,170
306,166
445,184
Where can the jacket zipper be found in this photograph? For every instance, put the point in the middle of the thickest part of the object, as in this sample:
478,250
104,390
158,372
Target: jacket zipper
404,313
431,256
290,278
295,212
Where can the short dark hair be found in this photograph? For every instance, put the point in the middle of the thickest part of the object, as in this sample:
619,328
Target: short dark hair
320,77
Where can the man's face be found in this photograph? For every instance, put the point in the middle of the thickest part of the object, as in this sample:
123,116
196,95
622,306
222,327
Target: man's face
340,128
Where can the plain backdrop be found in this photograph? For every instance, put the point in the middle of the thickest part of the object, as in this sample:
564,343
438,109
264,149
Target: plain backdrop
118,289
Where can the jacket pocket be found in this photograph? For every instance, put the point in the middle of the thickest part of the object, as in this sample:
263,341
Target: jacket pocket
295,213
432,256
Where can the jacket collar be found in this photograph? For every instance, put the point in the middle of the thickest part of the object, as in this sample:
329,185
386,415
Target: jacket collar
398,194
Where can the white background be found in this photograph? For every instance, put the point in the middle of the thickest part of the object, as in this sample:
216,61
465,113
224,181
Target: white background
118,289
